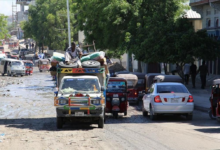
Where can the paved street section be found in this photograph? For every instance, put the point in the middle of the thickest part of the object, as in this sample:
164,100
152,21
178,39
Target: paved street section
28,121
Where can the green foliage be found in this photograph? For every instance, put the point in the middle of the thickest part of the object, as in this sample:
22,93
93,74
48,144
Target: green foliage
47,23
3,27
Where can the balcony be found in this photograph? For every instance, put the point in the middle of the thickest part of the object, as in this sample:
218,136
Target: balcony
23,2
199,2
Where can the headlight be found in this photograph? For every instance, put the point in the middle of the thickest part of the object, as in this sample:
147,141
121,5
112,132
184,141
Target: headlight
63,101
108,99
95,101
122,99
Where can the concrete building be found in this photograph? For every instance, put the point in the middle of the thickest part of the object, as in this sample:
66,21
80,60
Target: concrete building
210,14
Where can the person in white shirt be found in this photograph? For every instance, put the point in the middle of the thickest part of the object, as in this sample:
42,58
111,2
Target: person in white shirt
73,54
186,72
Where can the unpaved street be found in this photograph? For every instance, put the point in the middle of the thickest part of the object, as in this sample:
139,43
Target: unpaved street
28,122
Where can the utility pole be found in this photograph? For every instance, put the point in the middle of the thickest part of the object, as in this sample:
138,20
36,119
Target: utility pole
14,15
68,17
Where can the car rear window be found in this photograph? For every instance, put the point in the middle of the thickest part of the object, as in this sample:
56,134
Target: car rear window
171,89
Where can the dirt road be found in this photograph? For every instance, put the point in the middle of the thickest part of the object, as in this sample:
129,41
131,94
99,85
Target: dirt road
28,122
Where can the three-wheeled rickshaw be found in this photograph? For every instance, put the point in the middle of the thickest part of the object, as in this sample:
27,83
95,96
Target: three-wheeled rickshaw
28,66
149,79
168,78
43,65
214,111
131,82
116,96
140,84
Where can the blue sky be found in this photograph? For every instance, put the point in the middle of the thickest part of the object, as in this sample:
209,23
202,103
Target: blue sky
6,7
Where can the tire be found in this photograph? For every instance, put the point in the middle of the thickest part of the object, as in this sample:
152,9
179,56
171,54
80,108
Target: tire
3,74
125,113
72,65
210,115
152,116
115,115
21,75
59,122
40,70
144,112
101,123
90,64
189,116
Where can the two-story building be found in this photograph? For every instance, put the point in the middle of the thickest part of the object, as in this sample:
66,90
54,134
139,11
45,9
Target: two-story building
210,14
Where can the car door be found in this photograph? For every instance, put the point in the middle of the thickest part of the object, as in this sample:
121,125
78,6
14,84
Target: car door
147,97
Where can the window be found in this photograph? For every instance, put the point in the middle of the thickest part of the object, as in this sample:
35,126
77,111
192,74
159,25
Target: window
171,89
208,12
216,22
151,90
116,86
208,22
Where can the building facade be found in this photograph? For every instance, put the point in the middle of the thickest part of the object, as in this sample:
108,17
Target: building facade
210,14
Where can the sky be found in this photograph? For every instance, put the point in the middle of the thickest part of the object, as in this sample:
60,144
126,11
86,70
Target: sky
6,7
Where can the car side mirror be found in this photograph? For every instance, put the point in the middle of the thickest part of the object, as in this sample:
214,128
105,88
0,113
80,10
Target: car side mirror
102,88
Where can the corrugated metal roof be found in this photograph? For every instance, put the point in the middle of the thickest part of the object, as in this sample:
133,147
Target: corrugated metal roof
192,15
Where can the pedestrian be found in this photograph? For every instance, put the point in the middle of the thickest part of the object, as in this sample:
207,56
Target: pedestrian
193,69
186,71
203,69
32,45
178,68
73,54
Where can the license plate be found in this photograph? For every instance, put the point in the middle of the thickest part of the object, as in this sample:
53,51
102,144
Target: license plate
79,113
115,95
174,100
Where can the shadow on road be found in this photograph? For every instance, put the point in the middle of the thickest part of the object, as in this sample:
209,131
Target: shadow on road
44,124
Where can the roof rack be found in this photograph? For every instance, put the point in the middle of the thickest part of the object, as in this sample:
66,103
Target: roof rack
81,70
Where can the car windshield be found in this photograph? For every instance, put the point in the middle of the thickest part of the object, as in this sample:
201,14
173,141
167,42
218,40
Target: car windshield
84,85
131,83
116,87
171,89
16,63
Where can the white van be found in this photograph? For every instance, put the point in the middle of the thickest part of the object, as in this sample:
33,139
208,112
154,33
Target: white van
12,67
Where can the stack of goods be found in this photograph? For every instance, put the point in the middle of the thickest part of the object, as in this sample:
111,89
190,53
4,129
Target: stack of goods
58,57
98,56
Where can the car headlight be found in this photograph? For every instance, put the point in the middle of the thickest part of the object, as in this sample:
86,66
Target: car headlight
63,101
122,99
95,102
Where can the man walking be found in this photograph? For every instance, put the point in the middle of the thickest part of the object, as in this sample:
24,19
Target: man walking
73,54
193,69
203,69
186,72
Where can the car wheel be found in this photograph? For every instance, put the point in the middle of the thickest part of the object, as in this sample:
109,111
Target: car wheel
3,74
189,116
144,112
90,64
71,65
59,122
21,75
40,70
152,116
101,123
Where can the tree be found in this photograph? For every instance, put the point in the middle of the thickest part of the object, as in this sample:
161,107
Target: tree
47,23
3,25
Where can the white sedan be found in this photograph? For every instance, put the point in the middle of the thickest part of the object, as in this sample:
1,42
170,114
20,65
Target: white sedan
168,98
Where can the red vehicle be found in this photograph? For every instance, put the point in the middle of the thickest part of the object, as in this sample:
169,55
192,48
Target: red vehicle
140,84
214,112
131,82
116,96
29,67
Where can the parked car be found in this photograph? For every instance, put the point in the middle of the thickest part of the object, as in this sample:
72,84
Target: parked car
168,98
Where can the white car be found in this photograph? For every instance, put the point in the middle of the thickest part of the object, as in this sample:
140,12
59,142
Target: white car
168,98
